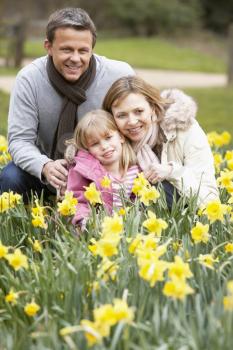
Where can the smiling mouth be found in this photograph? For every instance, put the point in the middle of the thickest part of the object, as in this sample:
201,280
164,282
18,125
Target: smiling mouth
73,68
135,130
108,154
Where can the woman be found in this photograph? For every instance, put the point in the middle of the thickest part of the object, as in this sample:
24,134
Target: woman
169,143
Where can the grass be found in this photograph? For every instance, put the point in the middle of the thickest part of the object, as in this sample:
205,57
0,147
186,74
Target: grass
4,103
153,53
215,109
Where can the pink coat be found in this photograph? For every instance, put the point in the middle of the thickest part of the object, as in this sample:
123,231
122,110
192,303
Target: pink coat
86,170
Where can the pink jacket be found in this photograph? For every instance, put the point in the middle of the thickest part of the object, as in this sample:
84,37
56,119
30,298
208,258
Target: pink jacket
86,170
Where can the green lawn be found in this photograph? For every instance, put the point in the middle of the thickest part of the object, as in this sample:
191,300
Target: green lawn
4,102
215,108
215,111
158,53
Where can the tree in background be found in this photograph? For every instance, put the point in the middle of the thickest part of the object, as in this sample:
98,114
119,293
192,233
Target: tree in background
217,15
151,17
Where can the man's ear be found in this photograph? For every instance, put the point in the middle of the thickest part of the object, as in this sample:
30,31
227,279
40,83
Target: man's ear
48,46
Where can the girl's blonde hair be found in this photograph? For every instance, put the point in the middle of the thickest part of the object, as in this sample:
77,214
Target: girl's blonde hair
101,122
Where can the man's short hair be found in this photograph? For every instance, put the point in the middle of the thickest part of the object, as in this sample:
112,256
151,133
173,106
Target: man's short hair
73,17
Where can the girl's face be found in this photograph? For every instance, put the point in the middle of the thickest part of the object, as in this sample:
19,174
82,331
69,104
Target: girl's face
133,116
107,148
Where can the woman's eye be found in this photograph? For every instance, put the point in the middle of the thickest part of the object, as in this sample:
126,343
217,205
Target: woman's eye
121,116
138,111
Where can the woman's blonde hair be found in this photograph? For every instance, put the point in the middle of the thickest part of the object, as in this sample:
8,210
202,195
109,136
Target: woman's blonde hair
124,86
101,122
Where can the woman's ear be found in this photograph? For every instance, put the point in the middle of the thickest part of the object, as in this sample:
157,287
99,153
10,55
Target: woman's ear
122,138
153,117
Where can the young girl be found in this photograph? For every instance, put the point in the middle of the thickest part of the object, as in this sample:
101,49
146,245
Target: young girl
102,151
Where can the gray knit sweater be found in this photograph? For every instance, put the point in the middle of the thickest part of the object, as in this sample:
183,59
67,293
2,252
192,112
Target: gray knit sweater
35,108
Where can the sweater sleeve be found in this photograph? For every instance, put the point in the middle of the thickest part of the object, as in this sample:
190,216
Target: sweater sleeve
23,127
76,183
196,174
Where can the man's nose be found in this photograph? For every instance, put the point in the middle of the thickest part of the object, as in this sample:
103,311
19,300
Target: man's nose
75,57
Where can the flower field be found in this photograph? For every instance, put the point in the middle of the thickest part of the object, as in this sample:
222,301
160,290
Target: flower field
143,278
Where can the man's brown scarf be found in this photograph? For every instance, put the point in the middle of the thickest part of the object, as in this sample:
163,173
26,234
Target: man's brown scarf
74,94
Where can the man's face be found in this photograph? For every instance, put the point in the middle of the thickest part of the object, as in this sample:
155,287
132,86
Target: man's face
71,51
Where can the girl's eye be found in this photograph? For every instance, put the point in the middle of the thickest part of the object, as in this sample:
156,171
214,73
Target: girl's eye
94,144
108,137
138,111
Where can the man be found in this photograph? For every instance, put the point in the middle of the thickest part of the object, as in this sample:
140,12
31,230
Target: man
50,95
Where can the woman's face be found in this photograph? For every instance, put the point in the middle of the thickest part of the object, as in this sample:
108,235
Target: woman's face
133,116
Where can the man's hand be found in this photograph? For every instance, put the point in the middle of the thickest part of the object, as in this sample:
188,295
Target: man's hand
56,173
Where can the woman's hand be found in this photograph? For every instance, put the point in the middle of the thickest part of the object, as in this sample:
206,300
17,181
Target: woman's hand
158,172
146,157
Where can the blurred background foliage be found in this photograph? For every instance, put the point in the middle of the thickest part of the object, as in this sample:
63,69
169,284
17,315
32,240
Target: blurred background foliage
147,17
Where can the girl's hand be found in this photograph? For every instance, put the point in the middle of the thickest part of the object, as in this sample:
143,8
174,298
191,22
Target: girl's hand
146,157
158,172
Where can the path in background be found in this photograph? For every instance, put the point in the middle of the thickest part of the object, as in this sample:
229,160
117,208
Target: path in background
158,78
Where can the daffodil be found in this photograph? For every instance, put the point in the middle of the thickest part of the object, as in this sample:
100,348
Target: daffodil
68,206
12,297
17,260
112,225
225,179
154,225
123,313
152,270
3,250
228,248
9,200
31,309
215,210
92,194
105,182
38,215
37,246
218,160
91,332
228,300
107,270
199,233
139,184
105,247
149,194
207,260
177,289
3,143
179,269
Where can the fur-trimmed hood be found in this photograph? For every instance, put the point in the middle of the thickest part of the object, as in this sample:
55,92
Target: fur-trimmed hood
180,114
